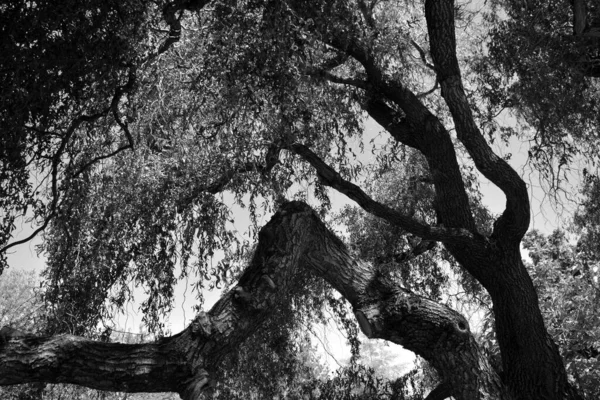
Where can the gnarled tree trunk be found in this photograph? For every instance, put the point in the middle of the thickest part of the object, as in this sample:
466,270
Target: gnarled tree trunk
293,240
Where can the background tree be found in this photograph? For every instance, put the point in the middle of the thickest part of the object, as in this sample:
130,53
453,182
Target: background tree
159,108
567,285
540,65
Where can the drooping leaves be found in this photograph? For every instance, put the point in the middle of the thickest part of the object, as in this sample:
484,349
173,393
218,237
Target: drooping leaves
537,66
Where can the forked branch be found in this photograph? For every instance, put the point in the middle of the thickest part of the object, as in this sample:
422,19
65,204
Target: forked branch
440,24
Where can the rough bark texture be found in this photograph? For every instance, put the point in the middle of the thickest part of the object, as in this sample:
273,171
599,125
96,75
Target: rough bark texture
293,240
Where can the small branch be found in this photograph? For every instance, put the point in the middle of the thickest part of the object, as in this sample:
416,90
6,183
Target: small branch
28,238
367,13
361,84
170,17
100,158
422,55
271,159
423,247
114,106
323,346
56,159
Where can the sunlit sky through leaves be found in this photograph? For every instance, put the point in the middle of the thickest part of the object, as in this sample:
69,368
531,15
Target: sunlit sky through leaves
545,218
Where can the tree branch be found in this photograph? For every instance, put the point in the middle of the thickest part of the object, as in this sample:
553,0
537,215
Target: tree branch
154,367
441,392
56,161
58,155
426,93
422,55
440,24
392,121
333,179
217,186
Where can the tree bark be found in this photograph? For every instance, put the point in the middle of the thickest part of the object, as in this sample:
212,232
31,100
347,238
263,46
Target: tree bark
532,364
294,240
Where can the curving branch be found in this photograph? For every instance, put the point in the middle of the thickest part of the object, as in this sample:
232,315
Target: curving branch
58,155
294,240
422,55
514,222
333,179
54,170
441,392
426,93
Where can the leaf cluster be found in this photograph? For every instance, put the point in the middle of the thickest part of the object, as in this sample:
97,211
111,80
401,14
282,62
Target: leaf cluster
536,66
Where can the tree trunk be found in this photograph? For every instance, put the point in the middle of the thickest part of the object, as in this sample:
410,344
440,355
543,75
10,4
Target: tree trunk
531,363
293,240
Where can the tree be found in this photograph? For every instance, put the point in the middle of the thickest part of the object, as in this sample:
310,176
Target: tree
134,117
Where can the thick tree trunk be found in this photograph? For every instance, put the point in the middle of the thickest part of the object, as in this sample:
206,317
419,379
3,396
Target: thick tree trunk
293,240
531,361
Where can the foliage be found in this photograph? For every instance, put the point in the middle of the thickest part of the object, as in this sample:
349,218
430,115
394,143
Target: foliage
536,66
65,64
360,383
19,301
202,117
566,278
587,217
